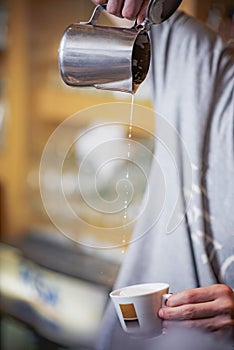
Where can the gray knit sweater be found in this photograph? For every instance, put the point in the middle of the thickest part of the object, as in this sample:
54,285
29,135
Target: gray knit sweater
185,233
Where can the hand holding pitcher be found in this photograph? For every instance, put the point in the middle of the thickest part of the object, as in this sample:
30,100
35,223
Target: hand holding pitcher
133,9
159,10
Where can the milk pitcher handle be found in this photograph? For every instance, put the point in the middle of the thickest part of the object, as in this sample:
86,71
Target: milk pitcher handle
100,8
95,15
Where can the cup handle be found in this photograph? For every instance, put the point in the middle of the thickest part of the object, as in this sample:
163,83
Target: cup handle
165,297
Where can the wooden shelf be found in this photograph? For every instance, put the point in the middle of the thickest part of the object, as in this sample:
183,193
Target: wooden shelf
55,105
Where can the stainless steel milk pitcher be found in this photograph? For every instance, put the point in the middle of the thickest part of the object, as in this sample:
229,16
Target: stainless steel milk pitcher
110,58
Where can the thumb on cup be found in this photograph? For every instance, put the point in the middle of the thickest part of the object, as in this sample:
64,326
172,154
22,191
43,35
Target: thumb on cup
165,298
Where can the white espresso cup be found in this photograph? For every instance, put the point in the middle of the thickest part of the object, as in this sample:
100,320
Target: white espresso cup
137,307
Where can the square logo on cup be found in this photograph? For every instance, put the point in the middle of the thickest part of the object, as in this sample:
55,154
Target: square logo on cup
129,316
128,311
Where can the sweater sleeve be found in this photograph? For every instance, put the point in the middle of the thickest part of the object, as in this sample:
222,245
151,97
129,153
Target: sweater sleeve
193,89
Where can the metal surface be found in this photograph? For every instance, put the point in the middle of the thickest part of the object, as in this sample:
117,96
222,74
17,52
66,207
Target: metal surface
110,58
107,58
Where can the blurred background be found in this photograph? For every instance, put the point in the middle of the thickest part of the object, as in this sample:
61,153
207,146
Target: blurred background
53,289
